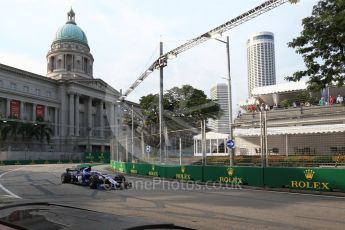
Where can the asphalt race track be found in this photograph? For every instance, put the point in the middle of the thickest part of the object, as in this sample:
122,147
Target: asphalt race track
189,205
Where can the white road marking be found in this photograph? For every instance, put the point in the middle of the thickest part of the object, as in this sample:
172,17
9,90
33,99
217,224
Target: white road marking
10,194
296,193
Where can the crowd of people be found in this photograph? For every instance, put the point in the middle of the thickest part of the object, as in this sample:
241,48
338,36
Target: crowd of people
331,100
265,107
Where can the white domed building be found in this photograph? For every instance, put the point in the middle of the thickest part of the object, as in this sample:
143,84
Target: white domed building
81,109
69,55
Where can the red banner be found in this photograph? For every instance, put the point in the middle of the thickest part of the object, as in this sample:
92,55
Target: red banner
40,111
15,109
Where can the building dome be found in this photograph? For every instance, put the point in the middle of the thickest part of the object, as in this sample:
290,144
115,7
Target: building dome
69,55
70,32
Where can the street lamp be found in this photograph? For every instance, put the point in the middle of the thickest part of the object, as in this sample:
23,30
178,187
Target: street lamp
132,130
215,37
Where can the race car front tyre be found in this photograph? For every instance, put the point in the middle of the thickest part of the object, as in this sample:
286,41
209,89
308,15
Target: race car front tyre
66,178
120,178
127,185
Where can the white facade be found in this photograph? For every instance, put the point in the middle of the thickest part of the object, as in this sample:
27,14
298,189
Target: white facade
261,60
219,93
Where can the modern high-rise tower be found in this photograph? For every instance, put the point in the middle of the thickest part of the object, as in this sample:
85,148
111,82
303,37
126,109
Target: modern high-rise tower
261,60
219,93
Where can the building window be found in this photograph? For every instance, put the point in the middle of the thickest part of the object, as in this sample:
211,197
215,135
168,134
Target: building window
38,92
13,85
59,65
0,83
49,94
26,88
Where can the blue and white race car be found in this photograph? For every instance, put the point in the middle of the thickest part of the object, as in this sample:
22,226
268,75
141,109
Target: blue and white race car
94,179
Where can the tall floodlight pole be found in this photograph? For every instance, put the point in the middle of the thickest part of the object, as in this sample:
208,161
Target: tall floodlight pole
160,102
229,98
132,134
227,43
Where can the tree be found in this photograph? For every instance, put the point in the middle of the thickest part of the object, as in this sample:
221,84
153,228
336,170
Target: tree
27,131
322,44
190,106
42,131
184,108
10,128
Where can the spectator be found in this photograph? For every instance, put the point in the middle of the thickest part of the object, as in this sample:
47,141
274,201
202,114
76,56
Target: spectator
294,104
331,100
267,108
262,107
251,108
322,101
307,104
339,99
239,114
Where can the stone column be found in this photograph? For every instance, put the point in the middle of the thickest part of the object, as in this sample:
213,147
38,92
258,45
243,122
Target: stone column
33,111
8,107
77,115
89,116
112,119
56,122
45,113
71,114
22,110
101,119
63,111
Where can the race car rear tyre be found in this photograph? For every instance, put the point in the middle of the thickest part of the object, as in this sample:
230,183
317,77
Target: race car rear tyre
93,182
66,178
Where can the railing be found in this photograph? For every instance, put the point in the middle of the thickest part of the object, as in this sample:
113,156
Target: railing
294,113
279,161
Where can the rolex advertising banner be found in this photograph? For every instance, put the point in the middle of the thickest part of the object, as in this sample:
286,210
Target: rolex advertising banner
135,168
251,176
184,172
121,167
96,157
321,179
156,170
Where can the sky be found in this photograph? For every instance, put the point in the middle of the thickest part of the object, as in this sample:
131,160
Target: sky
124,39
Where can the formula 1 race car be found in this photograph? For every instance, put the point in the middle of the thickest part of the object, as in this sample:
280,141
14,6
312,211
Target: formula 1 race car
94,179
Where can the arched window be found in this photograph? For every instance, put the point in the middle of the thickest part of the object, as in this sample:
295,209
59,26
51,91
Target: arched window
51,64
